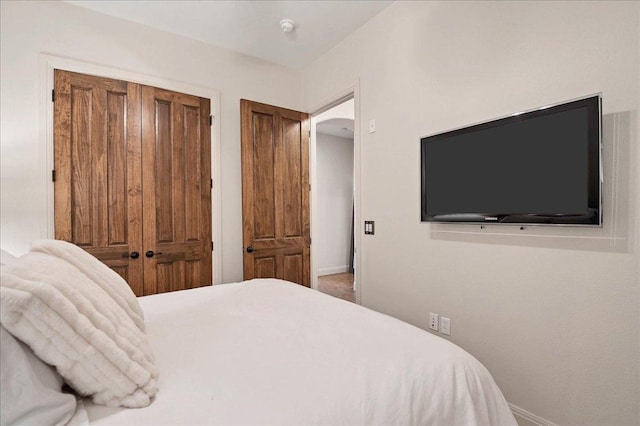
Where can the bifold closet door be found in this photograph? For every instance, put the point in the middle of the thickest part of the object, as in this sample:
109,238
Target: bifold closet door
132,179
176,175
98,180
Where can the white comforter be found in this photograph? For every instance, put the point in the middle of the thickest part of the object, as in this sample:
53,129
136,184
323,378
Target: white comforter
271,352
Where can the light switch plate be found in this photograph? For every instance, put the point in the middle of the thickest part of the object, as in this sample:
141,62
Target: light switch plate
369,227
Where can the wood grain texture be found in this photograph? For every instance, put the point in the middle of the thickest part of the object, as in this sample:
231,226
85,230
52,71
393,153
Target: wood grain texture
264,177
275,192
176,174
117,168
292,191
163,169
265,267
62,156
133,167
97,198
134,185
83,136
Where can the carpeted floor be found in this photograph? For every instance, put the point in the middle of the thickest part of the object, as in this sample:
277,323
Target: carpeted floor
338,285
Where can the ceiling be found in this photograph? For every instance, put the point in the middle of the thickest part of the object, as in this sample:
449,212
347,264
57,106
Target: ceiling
337,121
251,27
341,127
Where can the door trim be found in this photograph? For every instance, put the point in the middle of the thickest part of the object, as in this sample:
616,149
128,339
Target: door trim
47,63
352,91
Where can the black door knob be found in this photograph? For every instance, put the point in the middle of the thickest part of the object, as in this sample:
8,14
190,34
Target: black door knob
151,253
249,249
132,255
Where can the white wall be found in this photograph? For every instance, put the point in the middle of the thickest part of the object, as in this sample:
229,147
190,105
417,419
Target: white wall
552,312
334,171
29,28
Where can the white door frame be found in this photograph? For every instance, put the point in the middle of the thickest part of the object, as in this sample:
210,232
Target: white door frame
46,65
346,94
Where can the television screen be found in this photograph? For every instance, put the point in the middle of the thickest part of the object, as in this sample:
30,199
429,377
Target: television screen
537,167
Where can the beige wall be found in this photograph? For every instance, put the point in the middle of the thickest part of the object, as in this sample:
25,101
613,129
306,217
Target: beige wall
552,312
29,28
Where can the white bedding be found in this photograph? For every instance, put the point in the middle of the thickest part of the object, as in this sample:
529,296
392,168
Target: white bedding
271,352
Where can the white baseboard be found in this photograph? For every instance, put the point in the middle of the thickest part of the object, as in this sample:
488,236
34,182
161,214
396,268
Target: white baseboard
525,418
333,270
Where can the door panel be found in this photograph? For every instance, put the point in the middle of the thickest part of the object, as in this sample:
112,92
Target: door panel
292,189
98,184
275,193
193,173
265,267
116,168
162,171
293,267
83,145
177,198
264,176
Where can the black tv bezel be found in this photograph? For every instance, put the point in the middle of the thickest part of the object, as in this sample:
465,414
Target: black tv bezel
594,202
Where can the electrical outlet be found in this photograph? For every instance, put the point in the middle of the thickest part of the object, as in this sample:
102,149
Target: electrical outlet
433,321
445,326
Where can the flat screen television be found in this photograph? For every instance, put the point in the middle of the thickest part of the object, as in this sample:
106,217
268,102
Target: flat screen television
537,167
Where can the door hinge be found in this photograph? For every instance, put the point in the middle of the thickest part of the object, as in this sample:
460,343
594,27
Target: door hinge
211,183
211,120
309,187
211,245
309,132
53,175
53,95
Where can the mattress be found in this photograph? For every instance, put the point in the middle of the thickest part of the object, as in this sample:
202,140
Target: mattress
270,352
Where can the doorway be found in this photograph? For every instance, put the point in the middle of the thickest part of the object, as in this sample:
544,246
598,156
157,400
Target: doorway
334,200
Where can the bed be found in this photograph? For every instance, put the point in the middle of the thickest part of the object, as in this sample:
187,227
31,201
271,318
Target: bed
267,351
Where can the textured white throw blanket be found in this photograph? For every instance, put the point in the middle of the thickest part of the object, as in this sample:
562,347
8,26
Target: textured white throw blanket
103,276
82,318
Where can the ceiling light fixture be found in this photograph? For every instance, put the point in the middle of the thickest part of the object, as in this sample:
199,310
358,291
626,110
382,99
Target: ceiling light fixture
287,25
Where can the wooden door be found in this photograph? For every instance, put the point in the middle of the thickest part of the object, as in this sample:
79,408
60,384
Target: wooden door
98,197
275,193
133,179
176,175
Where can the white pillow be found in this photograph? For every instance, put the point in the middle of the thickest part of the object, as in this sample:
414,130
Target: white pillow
76,325
31,390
